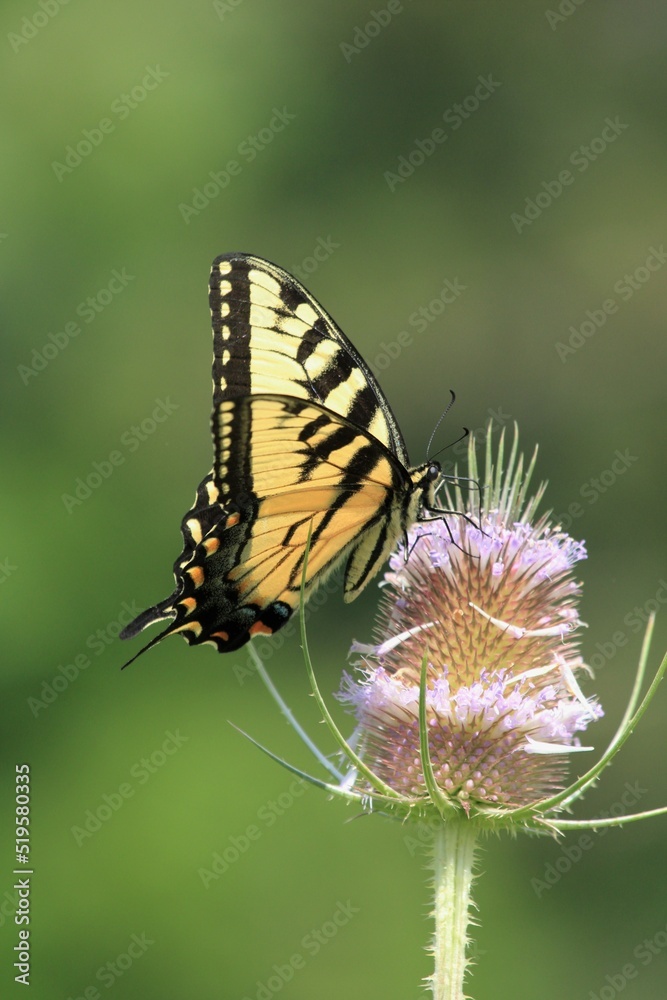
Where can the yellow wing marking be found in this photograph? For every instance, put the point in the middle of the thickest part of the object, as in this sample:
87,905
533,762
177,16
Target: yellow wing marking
261,278
195,529
188,627
269,566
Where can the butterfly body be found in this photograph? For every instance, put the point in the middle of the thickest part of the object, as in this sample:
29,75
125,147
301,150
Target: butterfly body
305,444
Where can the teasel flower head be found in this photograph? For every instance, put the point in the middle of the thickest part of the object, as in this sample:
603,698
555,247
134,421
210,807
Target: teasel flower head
480,611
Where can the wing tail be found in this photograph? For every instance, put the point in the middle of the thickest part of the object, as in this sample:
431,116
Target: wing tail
157,613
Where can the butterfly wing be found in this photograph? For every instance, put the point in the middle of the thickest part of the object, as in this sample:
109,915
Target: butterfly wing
286,468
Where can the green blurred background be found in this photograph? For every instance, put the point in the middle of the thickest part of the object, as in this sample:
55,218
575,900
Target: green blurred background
359,99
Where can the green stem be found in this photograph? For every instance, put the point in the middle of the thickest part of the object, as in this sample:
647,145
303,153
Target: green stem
453,860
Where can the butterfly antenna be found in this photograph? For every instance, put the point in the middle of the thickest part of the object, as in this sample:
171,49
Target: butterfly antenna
451,444
440,419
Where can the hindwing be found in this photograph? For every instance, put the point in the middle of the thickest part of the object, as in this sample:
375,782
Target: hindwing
306,471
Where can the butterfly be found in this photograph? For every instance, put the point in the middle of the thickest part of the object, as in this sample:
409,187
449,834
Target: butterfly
305,445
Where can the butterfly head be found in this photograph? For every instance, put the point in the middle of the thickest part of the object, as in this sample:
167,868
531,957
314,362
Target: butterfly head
425,479
427,476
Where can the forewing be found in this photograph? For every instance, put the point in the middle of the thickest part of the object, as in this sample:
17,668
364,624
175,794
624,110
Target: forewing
271,336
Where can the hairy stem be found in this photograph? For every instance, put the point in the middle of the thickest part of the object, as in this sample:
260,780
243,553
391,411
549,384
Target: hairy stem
453,856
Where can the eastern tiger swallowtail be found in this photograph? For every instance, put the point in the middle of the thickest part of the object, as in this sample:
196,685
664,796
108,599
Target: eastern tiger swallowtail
304,440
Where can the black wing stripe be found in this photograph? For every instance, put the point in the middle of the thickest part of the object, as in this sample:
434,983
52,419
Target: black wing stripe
377,550
364,408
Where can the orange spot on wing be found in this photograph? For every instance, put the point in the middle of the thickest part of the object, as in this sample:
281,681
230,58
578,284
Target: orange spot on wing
259,628
220,635
189,603
211,545
196,574
232,520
